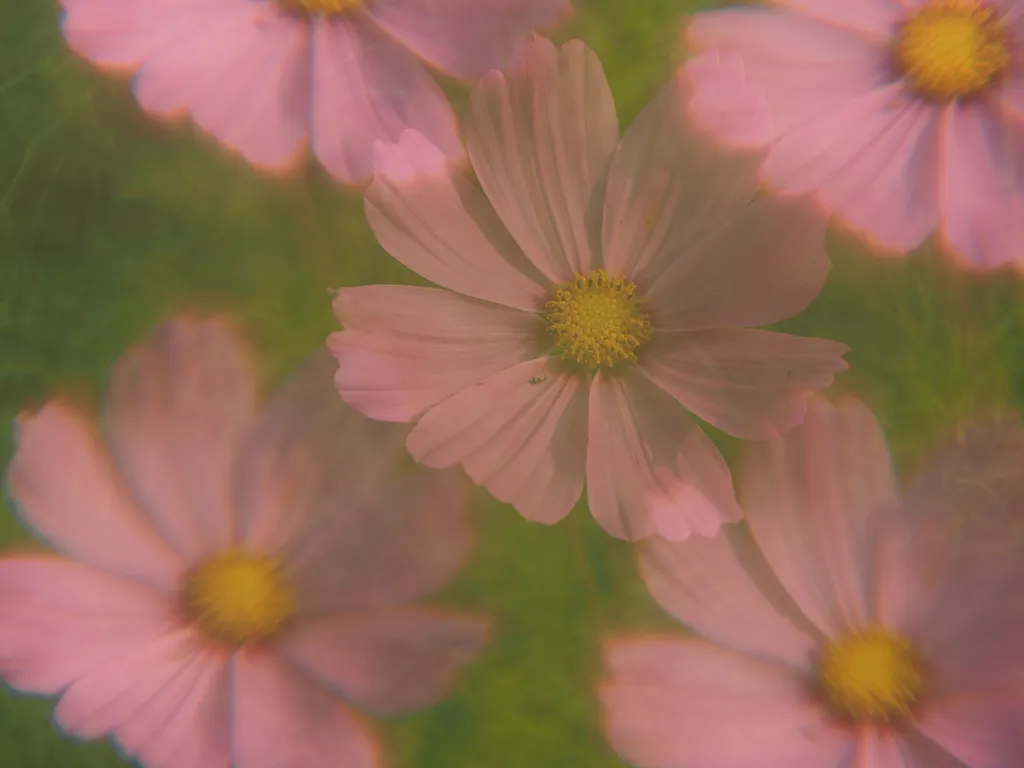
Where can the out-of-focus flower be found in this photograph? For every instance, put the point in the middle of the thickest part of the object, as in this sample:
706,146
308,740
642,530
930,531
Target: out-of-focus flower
593,292
901,115
845,628
233,582
267,76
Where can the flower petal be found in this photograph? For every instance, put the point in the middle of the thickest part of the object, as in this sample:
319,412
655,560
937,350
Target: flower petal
242,75
391,661
650,469
66,488
803,66
320,486
308,455
676,702
539,138
727,102
282,718
408,348
889,748
721,588
872,160
165,703
440,225
982,186
766,263
873,18
409,541
367,88
752,384
178,409
123,34
520,433
810,500
667,187
60,620
983,729
464,38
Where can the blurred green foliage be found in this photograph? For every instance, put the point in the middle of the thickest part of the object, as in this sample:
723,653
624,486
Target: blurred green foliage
109,221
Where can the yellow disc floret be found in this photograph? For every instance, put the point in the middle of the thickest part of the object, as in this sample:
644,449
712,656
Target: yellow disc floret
238,597
324,7
952,48
871,676
597,320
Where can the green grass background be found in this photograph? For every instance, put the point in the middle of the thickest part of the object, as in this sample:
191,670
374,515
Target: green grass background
110,221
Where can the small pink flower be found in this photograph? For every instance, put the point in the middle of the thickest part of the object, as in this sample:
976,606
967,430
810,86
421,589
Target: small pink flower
266,76
900,115
234,581
847,627
594,291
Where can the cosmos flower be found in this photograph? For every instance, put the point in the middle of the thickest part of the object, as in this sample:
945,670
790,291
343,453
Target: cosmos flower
902,116
267,76
233,583
844,629
594,293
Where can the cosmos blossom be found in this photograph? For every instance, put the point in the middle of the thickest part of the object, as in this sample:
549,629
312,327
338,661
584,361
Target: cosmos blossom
267,76
594,292
901,116
846,625
233,583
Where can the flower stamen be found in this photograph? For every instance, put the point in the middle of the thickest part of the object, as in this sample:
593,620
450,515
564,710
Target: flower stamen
238,597
597,320
871,676
952,48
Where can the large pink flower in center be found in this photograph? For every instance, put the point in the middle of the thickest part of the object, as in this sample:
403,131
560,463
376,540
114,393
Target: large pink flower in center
593,293
236,582
266,76
902,116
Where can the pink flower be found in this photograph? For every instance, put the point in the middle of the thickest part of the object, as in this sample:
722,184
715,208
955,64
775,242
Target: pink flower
593,293
233,582
266,76
847,627
900,115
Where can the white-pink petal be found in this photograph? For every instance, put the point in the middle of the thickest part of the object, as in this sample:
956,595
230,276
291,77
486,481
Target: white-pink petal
243,76
650,468
66,488
719,587
811,498
749,383
464,37
687,703
179,406
368,88
60,620
391,661
281,717
520,433
441,226
165,703
539,138
406,349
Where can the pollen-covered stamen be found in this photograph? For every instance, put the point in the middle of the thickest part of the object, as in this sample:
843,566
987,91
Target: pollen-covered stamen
238,597
323,7
952,48
597,320
871,676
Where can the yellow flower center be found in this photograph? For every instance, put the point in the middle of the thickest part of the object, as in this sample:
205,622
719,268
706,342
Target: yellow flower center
597,320
323,7
238,597
952,48
871,676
